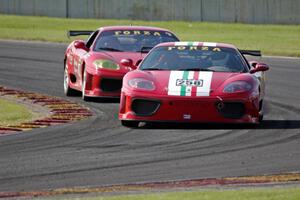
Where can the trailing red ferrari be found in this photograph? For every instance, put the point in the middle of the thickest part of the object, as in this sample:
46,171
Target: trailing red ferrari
194,82
96,67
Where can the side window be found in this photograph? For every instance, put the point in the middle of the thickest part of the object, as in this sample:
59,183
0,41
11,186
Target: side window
91,39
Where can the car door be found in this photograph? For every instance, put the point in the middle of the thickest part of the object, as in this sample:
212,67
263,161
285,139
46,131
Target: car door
79,56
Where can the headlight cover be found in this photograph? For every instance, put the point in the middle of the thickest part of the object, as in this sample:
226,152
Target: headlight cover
106,64
140,83
237,86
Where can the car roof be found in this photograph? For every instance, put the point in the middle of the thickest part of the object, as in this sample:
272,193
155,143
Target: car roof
195,43
146,28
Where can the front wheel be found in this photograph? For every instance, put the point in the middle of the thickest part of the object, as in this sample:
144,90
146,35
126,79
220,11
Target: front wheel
130,124
67,89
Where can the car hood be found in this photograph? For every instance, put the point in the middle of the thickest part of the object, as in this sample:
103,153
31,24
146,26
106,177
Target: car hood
186,83
118,56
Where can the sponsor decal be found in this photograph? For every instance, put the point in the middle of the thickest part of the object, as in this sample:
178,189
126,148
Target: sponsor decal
189,83
77,66
75,63
70,58
193,48
154,33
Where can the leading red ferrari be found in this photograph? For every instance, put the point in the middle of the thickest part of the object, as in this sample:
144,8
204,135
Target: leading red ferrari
96,66
194,82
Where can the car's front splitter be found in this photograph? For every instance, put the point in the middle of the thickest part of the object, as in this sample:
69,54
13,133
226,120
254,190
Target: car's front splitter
177,109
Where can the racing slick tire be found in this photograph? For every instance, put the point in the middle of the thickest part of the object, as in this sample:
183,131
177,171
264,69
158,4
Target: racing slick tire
67,90
130,124
261,111
261,117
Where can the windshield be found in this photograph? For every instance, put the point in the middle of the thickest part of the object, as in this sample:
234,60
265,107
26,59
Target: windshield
194,58
132,40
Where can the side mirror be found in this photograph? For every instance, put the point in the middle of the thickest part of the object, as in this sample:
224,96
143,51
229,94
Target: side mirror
127,63
138,62
253,63
259,67
80,45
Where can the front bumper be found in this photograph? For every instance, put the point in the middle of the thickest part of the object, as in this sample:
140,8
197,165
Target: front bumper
103,83
186,109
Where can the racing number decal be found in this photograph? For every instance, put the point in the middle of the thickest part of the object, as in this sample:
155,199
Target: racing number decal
189,83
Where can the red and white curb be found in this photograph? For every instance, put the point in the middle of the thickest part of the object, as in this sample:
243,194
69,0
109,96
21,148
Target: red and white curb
61,110
183,184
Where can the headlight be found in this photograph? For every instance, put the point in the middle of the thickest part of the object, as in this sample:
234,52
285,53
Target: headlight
106,64
140,83
237,86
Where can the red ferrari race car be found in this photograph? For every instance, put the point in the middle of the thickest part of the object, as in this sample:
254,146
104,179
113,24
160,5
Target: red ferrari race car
96,66
194,82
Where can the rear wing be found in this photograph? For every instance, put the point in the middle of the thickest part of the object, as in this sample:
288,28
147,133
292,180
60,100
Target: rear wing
76,33
250,52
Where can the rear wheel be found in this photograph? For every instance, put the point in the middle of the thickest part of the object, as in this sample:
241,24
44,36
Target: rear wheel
67,90
130,124
261,117
261,111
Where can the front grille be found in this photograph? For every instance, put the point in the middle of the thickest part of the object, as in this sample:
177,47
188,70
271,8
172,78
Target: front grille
144,107
232,110
111,85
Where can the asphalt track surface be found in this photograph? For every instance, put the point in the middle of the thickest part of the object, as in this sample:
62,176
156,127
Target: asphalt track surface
99,151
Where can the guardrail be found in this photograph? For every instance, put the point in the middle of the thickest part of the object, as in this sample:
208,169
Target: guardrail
243,11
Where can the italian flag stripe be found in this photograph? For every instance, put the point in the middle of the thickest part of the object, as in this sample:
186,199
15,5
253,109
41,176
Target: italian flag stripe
183,88
186,43
195,77
205,89
181,43
190,44
189,90
209,44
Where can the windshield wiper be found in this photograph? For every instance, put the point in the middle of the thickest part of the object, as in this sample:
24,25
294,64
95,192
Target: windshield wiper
109,49
195,69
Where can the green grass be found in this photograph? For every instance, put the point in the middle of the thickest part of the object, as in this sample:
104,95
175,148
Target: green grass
13,113
239,194
271,39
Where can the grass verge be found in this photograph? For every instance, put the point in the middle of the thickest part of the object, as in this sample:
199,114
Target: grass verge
286,193
13,113
271,39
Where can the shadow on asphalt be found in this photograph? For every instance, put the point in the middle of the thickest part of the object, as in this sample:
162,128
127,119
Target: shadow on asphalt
77,96
265,124
103,99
